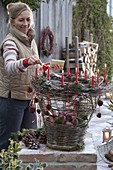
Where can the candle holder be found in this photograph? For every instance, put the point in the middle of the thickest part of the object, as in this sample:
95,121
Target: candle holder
106,134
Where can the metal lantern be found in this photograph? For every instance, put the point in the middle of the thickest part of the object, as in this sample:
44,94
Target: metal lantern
106,134
108,94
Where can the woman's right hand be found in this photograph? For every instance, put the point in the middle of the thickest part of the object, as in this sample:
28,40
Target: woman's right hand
34,60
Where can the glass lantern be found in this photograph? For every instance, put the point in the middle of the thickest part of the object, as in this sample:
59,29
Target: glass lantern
106,134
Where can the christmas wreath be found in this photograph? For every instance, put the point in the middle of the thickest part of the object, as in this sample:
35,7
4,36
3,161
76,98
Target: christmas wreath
47,46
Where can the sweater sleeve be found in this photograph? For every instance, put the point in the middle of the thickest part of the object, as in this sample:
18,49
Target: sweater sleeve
10,55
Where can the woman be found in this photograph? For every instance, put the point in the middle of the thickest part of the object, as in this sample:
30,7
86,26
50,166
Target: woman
19,56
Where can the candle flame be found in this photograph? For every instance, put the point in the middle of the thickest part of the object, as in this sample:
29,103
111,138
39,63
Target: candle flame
107,136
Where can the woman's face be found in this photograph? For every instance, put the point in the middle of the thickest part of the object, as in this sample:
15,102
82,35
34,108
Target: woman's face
23,21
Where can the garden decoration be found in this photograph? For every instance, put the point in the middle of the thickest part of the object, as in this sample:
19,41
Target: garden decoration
46,42
106,152
30,138
67,103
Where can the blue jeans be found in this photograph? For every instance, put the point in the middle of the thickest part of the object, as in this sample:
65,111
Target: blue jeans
14,116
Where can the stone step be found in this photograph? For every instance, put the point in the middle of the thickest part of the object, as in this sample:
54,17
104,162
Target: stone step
69,166
59,160
60,157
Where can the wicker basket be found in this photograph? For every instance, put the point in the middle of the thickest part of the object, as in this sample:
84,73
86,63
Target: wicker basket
64,137
68,100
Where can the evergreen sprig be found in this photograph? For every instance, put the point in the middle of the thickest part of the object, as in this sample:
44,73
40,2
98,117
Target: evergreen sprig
34,4
9,160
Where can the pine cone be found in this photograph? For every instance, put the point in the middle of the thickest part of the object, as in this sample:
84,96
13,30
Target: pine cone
99,115
43,138
33,144
100,102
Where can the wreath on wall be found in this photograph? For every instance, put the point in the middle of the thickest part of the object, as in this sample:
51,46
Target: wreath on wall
46,43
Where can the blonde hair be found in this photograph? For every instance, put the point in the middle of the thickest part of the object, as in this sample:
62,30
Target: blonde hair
15,9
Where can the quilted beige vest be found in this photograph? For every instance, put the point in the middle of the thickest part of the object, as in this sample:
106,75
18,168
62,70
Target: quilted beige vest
17,84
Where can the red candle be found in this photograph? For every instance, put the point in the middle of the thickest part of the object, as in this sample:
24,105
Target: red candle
98,76
75,106
105,74
76,74
62,82
36,72
86,74
48,73
68,71
92,81
48,97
